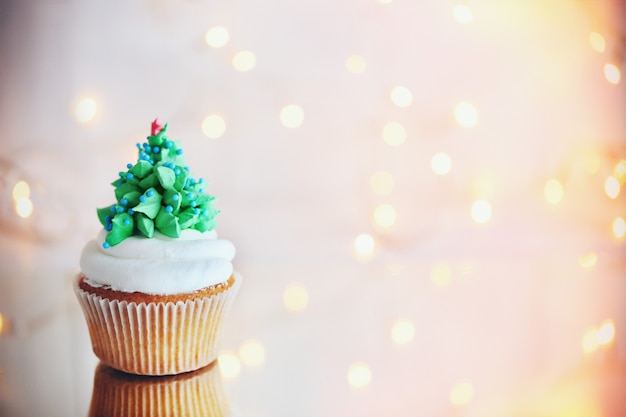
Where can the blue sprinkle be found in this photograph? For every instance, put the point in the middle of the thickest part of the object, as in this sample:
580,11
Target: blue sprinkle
131,211
186,169
193,203
150,193
168,144
112,209
127,222
200,190
107,219
106,245
129,166
120,209
122,183
179,151
201,180
177,171
196,211
138,145
123,201
146,146
175,197
190,195
108,227
205,212
130,176
169,209
156,149
143,198
192,181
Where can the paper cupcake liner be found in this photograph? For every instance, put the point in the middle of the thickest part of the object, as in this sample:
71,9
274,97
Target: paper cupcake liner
199,394
156,338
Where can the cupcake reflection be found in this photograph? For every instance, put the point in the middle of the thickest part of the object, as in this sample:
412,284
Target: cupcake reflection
199,394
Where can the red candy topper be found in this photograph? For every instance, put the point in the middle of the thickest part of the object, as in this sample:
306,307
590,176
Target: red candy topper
156,126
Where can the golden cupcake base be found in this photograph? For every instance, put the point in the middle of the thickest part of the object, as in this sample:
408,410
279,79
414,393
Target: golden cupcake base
156,335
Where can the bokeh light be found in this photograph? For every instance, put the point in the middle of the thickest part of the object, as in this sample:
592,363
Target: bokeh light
217,37
24,207
597,41
382,182
359,375
213,126
229,365
588,260
402,332
5,328
466,114
364,244
356,64
481,211
462,13
441,163
461,393
21,189
291,116
295,297
553,191
590,341
385,216
441,274
612,73
401,96
252,353
600,336
244,61
394,134
484,185
21,198
591,160
85,110
619,171
619,227
612,187
606,333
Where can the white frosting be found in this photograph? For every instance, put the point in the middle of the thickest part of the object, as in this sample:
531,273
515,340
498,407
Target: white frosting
160,265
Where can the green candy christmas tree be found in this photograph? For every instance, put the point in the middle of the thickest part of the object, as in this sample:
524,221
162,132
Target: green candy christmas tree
157,194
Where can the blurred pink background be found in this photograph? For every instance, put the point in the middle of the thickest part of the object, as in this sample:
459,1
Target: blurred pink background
426,197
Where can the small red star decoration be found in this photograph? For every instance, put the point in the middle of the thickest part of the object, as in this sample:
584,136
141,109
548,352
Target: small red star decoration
156,126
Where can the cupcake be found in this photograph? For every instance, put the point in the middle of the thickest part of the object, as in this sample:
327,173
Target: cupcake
156,283
199,393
